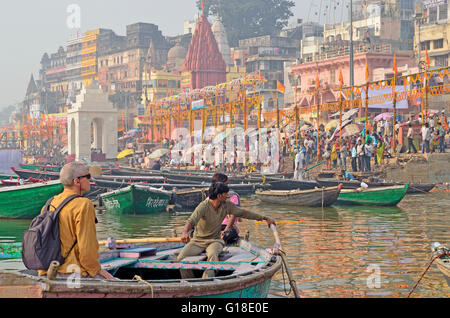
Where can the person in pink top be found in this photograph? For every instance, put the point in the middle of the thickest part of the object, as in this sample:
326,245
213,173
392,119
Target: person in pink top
230,230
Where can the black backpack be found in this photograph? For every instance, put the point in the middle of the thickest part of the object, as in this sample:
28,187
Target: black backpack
41,243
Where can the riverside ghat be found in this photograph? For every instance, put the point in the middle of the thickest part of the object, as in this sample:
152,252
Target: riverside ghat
355,176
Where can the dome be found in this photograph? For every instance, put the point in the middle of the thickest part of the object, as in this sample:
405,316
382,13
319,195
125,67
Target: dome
177,52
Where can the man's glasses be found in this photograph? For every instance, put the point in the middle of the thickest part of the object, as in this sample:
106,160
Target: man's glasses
88,176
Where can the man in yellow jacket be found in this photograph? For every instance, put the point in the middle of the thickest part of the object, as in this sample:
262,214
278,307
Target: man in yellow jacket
79,244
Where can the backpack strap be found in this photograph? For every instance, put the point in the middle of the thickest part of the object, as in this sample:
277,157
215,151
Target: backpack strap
59,208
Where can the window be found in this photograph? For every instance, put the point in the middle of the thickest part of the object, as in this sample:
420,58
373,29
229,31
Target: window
432,13
441,60
425,45
438,44
443,12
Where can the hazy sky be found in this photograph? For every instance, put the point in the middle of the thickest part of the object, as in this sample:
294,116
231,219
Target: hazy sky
30,28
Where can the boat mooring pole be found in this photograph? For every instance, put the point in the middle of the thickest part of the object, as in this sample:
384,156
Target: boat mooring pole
278,251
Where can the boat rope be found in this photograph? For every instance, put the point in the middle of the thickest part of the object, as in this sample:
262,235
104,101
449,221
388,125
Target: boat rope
446,252
322,197
291,281
138,278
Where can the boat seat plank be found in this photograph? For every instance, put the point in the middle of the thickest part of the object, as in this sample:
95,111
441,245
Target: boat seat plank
184,265
117,263
137,252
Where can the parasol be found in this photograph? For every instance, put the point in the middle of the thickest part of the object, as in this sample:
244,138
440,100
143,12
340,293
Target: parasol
125,153
351,129
350,113
332,124
158,153
383,116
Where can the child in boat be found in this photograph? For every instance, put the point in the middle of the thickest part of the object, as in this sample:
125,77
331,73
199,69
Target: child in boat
230,230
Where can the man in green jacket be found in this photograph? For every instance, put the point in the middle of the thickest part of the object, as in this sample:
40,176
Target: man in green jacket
207,220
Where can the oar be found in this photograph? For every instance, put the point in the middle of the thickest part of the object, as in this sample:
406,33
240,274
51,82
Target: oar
277,248
145,240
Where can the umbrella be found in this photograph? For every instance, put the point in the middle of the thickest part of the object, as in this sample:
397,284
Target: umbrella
431,112
125,153
305,127
351,129
383,116
350,113
158,153
332,124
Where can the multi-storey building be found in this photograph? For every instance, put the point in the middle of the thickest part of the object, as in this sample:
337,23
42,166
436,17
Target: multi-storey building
73,67
432,32
267,54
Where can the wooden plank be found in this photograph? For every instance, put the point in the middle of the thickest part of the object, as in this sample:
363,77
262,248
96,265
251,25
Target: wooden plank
117,263
137,252
175,265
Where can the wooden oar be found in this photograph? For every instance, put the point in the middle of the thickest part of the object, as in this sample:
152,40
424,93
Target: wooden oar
277,248
145,240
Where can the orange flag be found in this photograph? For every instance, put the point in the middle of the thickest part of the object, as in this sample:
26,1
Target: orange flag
428,59
367,71
280,87
317,81
394,65
341,78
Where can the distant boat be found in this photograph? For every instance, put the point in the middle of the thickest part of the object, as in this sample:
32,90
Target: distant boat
314,198
443,259
26,201
413,188
382,196
35,174
40,167
136,199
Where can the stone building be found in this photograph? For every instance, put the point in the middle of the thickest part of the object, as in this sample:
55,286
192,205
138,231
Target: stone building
267,54
204,64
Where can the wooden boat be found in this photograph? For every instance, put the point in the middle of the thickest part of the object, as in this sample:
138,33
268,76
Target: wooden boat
382,196
443,259
315,198
241,189
188,200
35,174
40,167
288,184
4,176
26,201
136,199
14,182
244,270
413,188
148,179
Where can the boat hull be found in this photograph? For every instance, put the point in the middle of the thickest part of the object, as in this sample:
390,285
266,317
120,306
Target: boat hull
35,174
241,279
135,200
413,188
15,201
382,196
40,167
313,198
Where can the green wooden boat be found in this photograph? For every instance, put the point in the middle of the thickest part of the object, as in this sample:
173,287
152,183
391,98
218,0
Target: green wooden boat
40,167
136,199
26,201
7,176
382,196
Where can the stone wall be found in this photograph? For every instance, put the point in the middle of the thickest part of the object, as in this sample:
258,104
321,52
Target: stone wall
434,168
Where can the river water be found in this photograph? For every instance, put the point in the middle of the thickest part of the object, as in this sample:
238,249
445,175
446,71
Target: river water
332,252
